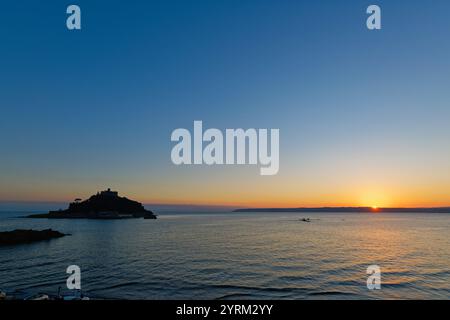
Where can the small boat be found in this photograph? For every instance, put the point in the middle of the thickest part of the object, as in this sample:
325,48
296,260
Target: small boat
74,297
305,220
78,295
39,297
2,295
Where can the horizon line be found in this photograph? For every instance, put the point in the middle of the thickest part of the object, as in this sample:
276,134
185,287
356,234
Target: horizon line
239,207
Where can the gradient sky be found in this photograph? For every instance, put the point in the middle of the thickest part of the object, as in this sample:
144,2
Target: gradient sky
363,115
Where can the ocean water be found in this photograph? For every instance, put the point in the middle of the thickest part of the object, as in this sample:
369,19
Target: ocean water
236,256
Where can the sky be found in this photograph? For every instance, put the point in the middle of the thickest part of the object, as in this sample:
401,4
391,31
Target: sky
363,115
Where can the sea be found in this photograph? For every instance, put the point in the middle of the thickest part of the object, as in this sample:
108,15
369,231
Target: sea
236,256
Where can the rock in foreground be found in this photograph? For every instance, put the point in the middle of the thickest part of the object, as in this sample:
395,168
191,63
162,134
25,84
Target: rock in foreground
26,236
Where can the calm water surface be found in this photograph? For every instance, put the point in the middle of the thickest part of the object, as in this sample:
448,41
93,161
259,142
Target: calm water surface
235,256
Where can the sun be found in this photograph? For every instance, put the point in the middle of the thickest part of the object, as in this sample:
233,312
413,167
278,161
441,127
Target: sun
375,207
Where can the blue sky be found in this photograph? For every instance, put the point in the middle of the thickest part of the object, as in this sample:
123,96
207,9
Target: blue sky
363,115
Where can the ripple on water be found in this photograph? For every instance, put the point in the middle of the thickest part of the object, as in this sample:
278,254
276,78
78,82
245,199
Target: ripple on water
243,256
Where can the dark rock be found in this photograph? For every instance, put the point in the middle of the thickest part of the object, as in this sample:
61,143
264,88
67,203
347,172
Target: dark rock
25,236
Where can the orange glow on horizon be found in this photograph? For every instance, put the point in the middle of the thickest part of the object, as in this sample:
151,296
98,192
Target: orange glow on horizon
248,194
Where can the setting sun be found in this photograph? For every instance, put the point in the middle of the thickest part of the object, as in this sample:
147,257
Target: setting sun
375,209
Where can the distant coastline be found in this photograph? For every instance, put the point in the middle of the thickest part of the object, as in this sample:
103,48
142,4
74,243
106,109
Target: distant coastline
349,209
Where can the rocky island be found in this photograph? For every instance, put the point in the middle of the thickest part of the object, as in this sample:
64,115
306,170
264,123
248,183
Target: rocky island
104,205
26,236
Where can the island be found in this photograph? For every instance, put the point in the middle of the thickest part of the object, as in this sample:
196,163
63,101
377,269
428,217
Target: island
20,236
103,205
